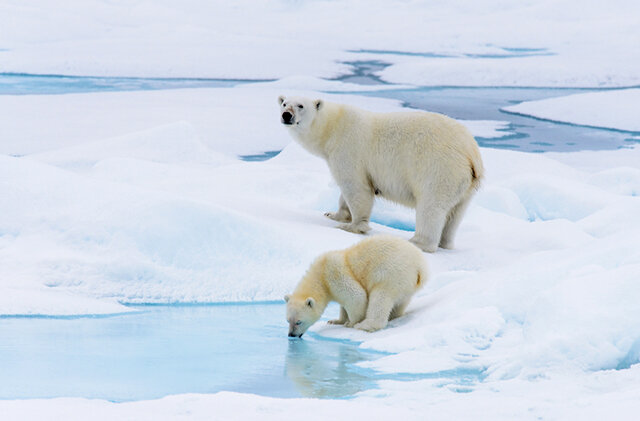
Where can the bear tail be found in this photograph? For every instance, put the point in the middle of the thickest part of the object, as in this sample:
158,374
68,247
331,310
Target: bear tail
477,170
421,278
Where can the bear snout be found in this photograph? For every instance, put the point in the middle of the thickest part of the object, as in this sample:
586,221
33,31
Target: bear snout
293,335
287,118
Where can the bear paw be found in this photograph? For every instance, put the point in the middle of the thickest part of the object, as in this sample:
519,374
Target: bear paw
337,216
367,326
336,322
424,246
446,244
361,228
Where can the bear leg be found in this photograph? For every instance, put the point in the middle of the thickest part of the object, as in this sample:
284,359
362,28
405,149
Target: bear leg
378,311
353,299
398,309
360,203
453,221
430,221
343,214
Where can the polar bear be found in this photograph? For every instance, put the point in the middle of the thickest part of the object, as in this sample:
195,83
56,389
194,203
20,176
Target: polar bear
422,160
373,282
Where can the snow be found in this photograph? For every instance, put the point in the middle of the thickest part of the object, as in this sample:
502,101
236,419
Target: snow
539,293
488,43
557,397
139,197
612,109
173,178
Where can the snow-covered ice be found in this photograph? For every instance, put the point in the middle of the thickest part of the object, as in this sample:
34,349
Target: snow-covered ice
131,197
540,290
168,208
613,109
488,43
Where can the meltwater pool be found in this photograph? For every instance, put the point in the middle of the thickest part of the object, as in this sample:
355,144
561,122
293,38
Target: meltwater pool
163,350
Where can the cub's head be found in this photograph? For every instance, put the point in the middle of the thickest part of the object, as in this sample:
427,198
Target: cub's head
301,314
298,112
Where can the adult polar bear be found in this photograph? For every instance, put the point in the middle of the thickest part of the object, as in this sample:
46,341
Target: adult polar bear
422,160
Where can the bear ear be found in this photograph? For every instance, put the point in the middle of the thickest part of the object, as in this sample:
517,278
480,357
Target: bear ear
318,103
287,298
311,302
281,99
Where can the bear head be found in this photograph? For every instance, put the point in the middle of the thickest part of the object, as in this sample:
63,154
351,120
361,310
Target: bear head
298,112
302,312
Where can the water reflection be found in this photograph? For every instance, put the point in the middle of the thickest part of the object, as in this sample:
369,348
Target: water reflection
326,369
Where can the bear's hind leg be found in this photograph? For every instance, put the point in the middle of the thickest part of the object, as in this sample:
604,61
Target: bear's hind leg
353,300
378,311
398,309
343,214
430,221
453,221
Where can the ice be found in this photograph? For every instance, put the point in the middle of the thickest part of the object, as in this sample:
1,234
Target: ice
139,197
622,180
615,109
171,143
489,129
542,281
492,43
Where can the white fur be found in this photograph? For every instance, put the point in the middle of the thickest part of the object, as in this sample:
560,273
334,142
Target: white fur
373,281
422,160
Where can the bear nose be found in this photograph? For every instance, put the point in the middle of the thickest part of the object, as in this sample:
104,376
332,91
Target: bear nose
292,335
286,117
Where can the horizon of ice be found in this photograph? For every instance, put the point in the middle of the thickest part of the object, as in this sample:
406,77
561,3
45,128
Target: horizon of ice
491,43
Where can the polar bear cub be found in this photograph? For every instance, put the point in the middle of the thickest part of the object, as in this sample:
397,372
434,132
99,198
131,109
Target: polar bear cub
373,282
422,160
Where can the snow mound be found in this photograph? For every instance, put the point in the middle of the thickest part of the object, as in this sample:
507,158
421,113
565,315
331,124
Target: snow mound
172,143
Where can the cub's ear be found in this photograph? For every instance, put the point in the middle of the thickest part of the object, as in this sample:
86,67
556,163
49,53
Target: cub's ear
281,99
311,302
318,103
286,298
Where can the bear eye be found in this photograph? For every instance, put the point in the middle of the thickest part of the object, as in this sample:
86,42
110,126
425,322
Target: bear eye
300,106
299,322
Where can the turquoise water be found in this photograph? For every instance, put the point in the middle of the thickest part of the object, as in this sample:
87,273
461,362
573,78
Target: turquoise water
523,133
501,53
27,84
163,350
260,156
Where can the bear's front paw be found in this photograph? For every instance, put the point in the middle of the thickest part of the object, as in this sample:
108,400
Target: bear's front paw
348,324
367,326
361,228
336,322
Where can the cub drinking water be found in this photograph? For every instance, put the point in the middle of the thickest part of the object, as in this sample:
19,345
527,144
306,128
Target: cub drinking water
373,281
